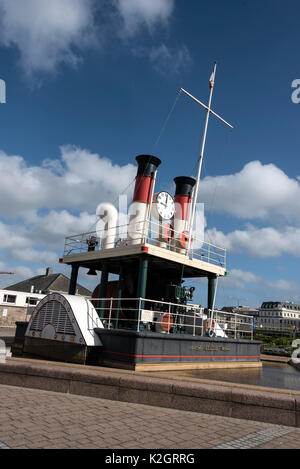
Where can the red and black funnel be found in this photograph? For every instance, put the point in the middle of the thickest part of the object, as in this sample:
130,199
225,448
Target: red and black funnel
147,166
183,196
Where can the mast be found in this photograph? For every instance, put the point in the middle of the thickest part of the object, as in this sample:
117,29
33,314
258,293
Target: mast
208,112
196,190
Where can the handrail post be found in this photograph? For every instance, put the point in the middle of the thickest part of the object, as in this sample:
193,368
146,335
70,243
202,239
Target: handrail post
109,318
139,315
235,326
194,328
169,319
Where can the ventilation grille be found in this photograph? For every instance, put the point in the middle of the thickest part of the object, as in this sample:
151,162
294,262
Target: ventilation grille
53,313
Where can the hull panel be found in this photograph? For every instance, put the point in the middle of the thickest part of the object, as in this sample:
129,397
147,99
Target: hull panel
140,348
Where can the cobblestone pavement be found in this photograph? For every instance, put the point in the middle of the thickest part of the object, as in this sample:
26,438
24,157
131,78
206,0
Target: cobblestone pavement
31,418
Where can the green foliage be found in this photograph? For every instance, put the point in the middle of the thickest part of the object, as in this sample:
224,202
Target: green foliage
273,341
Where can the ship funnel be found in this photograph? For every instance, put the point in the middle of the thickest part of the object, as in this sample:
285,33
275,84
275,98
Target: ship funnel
142,197
183,197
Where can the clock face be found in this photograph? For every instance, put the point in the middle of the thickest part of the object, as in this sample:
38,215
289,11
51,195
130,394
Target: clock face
165,205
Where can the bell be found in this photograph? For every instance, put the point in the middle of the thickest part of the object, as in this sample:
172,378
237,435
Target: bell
92,272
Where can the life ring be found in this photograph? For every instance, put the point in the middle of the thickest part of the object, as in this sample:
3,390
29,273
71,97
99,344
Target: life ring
168,232
184,239
167,322
210,324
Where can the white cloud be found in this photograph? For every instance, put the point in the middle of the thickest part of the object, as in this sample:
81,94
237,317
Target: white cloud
283,285
17,243
138,13
166,60
84,180
51,229
241,283
33,256
21,272
46,203
259,242
256,192
239,279
248,277
33,196
47,33
13,236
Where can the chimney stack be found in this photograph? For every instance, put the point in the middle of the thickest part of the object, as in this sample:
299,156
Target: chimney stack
147,166
143,191
183,197
49,271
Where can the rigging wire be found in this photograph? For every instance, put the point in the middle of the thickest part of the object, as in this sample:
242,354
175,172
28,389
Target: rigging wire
214,194
163,128
228,143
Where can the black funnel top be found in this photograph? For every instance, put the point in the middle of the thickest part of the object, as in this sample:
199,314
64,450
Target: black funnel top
148,164
184,185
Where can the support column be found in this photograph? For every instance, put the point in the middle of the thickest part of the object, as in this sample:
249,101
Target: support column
103,288
142,282
211,291
73,280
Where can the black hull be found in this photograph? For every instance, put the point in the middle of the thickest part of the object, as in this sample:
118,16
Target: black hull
130,347
134,350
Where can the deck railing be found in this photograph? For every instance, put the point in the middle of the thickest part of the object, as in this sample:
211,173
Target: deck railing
160,235
140,314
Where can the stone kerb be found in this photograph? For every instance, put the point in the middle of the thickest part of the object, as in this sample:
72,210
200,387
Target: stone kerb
228,399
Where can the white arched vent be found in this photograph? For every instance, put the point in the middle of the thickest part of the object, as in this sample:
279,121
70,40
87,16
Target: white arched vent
53,313
65,318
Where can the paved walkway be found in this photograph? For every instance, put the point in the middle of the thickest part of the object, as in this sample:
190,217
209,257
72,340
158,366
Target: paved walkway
31,418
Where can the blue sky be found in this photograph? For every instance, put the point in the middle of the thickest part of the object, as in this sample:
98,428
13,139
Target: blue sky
89,85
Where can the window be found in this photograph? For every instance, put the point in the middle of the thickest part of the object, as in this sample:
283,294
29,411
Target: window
9,298
31,301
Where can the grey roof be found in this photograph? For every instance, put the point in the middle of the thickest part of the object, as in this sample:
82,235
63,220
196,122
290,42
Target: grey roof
280,304
46,284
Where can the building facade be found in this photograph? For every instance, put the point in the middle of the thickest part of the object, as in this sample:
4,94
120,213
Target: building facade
18,301
279,315
250,314
16,306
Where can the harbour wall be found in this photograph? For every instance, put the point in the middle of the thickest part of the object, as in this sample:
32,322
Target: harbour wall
216,398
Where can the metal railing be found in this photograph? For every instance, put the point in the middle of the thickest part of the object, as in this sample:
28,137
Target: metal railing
141,314
160,235
235,325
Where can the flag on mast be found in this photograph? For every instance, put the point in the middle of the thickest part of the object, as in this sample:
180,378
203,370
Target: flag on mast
212,81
